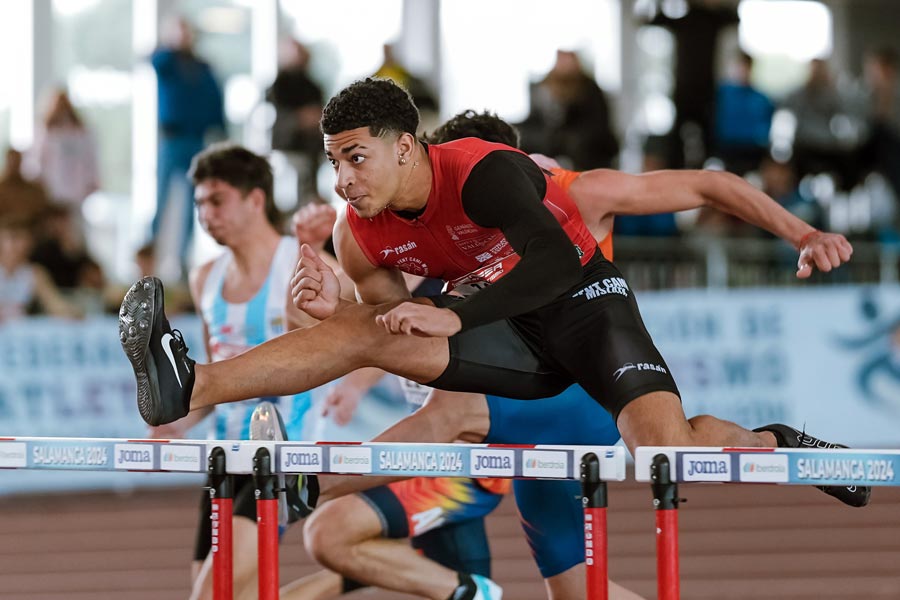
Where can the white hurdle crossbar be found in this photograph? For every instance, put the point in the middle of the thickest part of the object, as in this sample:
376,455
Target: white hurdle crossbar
368,458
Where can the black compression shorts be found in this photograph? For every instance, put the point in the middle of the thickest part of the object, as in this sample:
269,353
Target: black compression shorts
592,335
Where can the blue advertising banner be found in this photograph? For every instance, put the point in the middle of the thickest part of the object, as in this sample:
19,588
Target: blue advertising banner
827,359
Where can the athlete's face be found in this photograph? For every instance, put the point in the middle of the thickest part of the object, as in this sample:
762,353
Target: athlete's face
223,210
367,168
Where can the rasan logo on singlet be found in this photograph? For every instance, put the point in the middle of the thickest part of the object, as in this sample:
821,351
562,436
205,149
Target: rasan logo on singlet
402,248
610,285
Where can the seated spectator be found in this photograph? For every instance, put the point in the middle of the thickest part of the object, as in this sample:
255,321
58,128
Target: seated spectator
92,295
743,118
828,132
20,198
25,287
570,118
178,296
60,249
881,97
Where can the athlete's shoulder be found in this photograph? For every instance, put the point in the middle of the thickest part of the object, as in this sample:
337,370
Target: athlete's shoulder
473,144
564,178
475,147
200,274
455,160
289,248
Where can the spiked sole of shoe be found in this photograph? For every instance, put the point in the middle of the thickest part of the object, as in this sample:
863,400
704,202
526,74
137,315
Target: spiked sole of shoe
134,333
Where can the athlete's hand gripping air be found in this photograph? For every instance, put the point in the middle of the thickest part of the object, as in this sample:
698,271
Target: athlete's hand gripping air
424,320
823,251
315,288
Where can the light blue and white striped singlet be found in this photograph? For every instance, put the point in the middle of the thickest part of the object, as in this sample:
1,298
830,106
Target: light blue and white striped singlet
233,328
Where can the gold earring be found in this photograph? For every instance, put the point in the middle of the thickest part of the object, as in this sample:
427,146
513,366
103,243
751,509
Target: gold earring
402,161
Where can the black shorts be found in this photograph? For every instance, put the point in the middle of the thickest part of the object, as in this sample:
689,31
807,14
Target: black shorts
592,335
244,505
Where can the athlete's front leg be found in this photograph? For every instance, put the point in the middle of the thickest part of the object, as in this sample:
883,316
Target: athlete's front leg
170,384
304,359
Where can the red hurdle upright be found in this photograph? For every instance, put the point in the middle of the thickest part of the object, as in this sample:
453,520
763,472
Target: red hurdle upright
665,501
593,497
266,524
221,493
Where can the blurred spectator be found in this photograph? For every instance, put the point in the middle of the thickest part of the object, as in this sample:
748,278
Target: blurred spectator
743,118
24,286
882,105
145,259
827,135
298,109
92,295
190,106
570,117
422,96
20,199
177,295
64,155
59,248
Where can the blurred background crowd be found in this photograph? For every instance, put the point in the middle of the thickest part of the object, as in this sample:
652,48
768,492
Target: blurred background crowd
800,98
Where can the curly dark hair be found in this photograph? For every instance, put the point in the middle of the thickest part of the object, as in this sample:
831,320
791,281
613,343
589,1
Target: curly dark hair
379,104
485,125
239,167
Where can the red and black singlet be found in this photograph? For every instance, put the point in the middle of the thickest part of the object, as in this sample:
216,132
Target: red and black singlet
490,209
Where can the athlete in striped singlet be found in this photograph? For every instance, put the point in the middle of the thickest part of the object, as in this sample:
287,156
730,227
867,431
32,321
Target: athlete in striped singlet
243,298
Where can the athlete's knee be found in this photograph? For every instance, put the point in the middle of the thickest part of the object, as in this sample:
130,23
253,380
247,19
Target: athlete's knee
360,318
326,536
457,416
443,420
318,536
701,423
655,419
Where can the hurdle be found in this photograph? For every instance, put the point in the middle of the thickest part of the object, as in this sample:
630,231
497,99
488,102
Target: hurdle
665,467
265,460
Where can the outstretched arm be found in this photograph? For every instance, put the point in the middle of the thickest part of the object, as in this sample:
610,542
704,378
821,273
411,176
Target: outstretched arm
602,192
